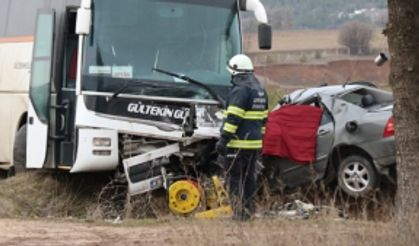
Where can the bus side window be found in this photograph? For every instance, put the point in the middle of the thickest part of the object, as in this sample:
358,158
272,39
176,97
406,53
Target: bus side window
71,51
72,68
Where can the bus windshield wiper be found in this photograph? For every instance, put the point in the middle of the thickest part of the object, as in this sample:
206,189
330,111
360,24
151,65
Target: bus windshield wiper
194,82
120,90
128,84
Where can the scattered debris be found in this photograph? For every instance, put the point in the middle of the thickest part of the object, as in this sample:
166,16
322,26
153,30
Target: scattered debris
300,210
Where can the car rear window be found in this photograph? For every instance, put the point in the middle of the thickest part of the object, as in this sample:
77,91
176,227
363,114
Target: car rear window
354,98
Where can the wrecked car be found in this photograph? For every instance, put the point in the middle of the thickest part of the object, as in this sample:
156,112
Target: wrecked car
343,132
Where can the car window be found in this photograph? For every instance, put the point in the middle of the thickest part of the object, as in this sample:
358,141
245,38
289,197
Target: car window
326,118
354,98
361,98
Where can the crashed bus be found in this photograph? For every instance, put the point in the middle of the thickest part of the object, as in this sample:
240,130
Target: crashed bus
135,86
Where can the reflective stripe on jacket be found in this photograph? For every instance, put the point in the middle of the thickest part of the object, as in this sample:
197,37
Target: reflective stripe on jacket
245,114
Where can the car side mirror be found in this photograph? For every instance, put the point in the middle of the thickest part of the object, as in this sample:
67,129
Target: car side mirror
265,36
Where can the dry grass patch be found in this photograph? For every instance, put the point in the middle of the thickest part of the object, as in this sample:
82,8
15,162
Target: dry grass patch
37,194
281,232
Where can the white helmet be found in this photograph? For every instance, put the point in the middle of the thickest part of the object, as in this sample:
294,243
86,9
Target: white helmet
240,64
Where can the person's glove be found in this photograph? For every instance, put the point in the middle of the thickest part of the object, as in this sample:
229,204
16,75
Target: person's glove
221,146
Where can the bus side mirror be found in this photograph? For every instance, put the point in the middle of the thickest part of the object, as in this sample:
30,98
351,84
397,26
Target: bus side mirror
265,36
264,29
83,22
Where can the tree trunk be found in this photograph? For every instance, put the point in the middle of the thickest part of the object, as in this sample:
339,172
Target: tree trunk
403,39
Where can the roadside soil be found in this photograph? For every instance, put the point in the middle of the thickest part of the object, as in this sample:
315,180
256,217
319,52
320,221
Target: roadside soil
41,232
192,232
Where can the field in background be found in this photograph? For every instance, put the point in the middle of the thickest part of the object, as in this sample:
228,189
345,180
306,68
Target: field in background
289,77
304,58
290,40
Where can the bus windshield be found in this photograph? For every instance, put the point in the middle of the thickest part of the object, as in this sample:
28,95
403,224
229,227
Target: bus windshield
131,37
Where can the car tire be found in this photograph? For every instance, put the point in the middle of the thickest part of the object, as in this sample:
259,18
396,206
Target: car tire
19,151
357,176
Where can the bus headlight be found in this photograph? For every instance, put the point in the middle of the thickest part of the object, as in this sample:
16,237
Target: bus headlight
101,142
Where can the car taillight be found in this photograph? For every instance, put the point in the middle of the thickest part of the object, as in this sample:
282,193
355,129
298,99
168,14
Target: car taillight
389,129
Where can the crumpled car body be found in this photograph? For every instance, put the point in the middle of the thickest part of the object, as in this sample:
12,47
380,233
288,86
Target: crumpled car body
355,139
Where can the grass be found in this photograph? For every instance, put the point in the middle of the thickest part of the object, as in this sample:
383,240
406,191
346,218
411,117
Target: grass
275,93
46,195
34,195
283,232
89,197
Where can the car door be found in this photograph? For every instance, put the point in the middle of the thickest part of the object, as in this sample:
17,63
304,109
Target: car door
39,90
325,139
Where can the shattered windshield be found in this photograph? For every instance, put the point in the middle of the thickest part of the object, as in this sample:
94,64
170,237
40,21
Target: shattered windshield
131,37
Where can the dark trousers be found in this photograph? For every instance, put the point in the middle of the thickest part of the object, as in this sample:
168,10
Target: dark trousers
240,170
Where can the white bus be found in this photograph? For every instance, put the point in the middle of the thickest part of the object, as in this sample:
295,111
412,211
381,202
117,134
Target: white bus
128,85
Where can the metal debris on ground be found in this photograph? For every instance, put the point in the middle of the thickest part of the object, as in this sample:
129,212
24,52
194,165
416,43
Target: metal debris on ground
298,210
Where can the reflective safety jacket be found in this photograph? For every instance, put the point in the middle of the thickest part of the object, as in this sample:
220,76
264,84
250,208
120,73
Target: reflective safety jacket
245,114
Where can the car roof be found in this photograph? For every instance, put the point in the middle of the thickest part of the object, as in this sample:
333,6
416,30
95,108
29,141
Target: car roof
327,90
332,90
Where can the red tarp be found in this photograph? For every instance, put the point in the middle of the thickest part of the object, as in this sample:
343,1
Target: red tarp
291,132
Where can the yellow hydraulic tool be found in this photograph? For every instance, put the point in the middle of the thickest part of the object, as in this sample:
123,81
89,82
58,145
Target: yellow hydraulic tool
184,196
217,203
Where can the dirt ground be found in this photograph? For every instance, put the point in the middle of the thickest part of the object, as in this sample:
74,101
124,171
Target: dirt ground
46,232
37,232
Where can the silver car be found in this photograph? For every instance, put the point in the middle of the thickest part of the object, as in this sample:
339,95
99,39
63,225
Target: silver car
355,139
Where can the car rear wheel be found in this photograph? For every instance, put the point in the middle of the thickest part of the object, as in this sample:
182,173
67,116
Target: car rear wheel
357,176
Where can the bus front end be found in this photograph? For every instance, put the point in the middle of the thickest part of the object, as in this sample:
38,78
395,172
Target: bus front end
150,84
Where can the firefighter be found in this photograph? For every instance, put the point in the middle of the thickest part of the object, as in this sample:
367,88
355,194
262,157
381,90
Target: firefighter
241,134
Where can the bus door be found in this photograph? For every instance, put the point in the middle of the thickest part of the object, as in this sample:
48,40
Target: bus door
39,90
66,95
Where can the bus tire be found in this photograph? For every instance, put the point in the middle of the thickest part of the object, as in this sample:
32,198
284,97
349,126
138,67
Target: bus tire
19,151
